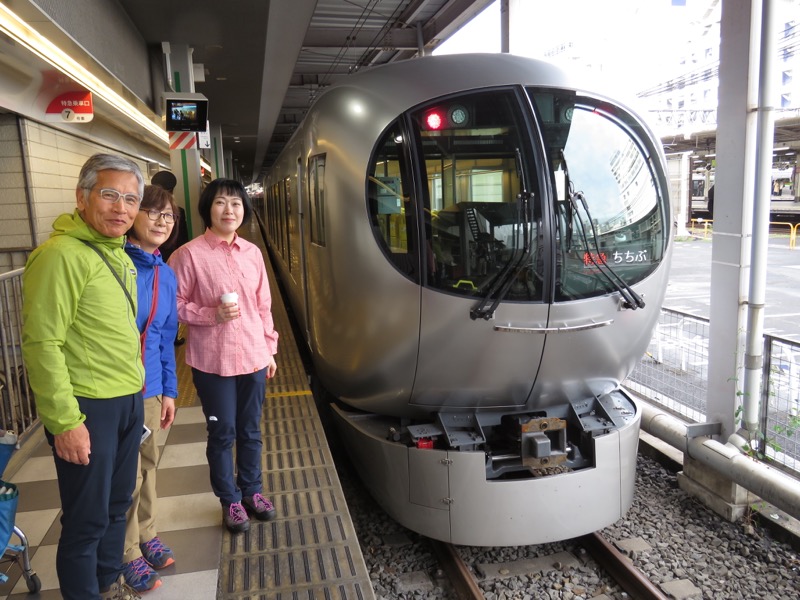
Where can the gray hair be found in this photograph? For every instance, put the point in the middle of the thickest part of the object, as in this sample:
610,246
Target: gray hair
102,162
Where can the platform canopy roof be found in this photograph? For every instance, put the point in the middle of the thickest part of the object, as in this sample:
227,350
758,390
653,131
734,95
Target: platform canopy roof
264,61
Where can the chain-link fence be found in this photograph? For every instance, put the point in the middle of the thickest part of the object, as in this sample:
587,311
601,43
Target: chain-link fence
780,405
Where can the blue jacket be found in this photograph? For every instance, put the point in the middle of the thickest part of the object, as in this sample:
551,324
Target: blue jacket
158,353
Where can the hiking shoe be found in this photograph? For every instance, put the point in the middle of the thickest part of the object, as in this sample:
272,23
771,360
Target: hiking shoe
140,576
157,554
119,590
259,507
235,518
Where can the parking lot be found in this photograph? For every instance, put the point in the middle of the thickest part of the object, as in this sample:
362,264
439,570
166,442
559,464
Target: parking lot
689,288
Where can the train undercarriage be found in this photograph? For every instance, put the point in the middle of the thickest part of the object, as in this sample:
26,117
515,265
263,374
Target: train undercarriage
488,478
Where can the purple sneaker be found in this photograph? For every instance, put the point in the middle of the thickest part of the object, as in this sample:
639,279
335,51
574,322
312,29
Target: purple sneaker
140,576
259,507
157,554
235,518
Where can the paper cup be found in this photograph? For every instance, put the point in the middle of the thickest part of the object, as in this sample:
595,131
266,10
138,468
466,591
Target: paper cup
229,297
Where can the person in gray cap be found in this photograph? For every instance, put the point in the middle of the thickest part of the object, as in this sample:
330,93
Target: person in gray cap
165,180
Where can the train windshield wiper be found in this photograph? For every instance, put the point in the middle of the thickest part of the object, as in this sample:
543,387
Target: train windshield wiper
512,268
632,299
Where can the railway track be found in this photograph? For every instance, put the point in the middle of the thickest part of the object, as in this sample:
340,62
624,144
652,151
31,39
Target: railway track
616,565
696,555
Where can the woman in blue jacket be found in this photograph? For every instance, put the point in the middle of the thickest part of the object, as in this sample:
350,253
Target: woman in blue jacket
157,319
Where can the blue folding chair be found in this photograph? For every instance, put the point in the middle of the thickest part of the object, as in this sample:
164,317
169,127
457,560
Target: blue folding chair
9,497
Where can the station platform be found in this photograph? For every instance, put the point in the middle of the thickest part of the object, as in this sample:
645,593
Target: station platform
310,550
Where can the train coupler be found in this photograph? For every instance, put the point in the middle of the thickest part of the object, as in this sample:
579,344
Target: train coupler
542,441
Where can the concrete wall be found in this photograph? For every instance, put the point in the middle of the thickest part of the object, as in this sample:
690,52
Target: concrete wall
15,229
105,31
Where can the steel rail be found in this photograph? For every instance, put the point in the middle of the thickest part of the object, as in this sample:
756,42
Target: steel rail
461,578
620,567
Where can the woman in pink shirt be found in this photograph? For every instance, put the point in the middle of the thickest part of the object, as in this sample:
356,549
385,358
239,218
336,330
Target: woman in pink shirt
231,347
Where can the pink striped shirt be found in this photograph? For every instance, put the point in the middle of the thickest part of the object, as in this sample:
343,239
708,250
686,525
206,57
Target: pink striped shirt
208,267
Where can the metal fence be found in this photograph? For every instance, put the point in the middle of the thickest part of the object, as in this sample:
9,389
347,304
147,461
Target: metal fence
673,374
17,408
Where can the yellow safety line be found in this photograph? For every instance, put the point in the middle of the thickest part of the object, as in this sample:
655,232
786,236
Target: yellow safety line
307,393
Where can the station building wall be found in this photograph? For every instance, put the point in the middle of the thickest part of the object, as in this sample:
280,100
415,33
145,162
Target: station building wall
39,168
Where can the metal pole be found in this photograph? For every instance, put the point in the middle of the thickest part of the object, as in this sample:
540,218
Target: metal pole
754,342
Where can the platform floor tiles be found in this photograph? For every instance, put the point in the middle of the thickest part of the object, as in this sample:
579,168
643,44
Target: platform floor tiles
310,550
189,516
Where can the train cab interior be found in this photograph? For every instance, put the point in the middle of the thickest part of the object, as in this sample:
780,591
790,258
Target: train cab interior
458,175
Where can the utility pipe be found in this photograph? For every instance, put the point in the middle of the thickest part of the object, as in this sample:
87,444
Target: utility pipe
754,345
768,483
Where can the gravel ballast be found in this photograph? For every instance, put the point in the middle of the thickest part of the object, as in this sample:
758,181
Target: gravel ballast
680,545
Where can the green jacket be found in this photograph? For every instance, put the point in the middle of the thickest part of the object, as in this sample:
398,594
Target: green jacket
79,334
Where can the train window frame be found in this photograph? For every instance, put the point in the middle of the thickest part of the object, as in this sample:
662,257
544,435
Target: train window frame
316,196
393,193
579,247
496,212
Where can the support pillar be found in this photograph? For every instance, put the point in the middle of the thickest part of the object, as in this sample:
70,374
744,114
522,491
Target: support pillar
217,153
186,163
731,250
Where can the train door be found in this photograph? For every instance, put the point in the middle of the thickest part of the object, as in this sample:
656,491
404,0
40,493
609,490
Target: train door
317,239
483,240
291,235
302,207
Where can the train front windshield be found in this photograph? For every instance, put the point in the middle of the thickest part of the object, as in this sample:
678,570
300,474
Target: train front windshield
528,194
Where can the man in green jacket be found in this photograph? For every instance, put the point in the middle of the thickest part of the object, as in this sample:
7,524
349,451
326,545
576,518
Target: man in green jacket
81,347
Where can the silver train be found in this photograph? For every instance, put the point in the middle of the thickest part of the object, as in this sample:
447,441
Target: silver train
476,250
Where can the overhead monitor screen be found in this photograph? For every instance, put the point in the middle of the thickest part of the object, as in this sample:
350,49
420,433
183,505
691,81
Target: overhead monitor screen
186,115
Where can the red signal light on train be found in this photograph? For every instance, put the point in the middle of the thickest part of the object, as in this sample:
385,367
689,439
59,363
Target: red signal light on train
434,121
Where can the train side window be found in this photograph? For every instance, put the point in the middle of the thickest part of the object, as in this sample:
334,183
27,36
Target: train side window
390,206
316,192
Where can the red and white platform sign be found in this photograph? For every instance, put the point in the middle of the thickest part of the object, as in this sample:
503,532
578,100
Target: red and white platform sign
71,107
182,140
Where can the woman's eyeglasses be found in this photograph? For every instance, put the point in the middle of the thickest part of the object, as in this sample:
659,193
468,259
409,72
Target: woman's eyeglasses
155,215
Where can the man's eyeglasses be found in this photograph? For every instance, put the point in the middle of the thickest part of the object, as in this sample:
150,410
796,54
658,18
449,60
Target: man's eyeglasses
112,196
155,215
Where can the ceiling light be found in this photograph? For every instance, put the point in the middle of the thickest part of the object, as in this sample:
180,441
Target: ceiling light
21,32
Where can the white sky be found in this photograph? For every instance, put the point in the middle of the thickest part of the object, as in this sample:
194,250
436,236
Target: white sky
631,43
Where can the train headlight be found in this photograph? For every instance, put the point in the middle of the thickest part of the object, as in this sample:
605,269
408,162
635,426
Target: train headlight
434,121
447,117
